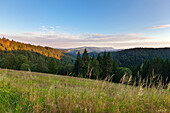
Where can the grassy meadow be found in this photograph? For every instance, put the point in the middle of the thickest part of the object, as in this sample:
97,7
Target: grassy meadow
38,92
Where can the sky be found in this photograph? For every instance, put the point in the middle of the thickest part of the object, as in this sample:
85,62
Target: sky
119,24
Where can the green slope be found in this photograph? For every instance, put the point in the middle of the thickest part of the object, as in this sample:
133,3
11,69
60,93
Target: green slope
36,92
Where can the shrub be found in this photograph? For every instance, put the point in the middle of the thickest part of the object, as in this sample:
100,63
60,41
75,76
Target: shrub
120,72
25,67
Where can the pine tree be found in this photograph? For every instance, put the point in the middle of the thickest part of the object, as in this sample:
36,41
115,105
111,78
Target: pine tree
78,65
85,56
95,68
85,64
109,71
145,69
104,66
99,59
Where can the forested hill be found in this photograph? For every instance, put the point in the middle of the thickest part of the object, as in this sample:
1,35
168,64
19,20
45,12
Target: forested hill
7,45
74,51
135,56
20,56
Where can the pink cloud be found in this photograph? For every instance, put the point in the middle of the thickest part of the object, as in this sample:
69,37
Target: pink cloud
160,27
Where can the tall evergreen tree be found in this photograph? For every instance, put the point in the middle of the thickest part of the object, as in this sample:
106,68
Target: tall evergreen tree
145,69
95,68
99,59
104,66
78,65
85,64
85,56
109,71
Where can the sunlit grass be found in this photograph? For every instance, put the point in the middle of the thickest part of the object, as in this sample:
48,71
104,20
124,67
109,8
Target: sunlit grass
36,92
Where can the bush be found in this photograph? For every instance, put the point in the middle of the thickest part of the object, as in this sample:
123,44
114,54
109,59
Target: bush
120,72
25,67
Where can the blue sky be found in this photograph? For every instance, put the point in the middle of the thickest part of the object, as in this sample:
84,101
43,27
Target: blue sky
74,23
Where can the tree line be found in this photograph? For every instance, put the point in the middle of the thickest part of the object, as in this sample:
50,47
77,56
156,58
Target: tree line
104,67
157,68
26,60
101,68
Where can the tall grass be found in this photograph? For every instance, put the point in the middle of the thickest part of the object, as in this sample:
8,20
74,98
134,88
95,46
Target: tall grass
36,92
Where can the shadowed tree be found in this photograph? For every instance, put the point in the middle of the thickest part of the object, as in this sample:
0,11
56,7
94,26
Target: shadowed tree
20,60
25,67
9,61
95,68
85,64
109,67
78,65
52,66
104,66
99,59
41,65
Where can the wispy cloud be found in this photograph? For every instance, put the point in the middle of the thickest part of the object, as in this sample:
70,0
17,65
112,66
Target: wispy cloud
160,27
51,29
65,40
43,28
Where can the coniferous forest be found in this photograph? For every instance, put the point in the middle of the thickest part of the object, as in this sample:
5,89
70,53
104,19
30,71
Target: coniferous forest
104,67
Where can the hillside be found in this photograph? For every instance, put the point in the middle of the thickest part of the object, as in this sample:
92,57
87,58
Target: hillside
135,56
20,56
74,51
7,45
36,92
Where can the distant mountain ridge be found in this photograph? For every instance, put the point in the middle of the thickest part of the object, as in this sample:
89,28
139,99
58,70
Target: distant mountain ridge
74,51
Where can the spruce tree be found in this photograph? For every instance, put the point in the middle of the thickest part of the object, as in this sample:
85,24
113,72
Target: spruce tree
104,66
99,59
145,69
78,65
95,68
85,56
109,66
85,64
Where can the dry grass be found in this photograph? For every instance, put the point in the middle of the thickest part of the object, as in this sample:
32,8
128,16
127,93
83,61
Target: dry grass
35,92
